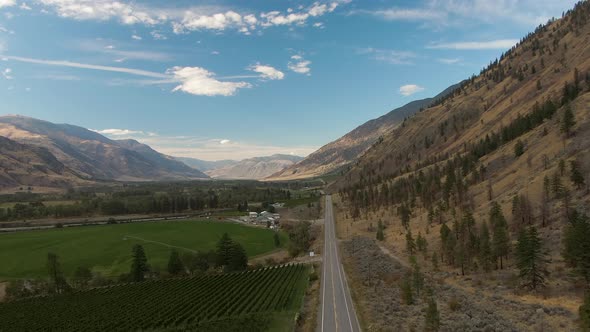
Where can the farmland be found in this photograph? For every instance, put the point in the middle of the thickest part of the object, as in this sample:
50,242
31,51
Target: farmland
107,249
264,299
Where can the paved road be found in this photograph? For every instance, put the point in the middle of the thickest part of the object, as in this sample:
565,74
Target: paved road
337,312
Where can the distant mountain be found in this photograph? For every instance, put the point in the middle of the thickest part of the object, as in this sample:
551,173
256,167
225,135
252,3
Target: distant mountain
205,165
93,156
255,168
22,164
351,146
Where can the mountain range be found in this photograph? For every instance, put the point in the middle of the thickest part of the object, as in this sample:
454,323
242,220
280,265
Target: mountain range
351,146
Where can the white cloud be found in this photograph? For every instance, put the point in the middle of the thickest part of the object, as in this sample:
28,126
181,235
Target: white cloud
3,29
449,61
318,25
157,35
184,20
62,63
410,89
453,12
96,46
7,73
299,65
215,53
7,3
24,6
136,37
411,14
199,81
119,132
501,44
267,72
391,56
224,141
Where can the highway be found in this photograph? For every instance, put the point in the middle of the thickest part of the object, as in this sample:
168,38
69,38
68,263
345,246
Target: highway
337,309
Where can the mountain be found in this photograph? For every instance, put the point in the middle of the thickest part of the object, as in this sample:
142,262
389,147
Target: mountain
255,168
205,165
92,156
351,146
22,164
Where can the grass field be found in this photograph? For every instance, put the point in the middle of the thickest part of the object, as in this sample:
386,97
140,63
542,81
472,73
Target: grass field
260,300
107,249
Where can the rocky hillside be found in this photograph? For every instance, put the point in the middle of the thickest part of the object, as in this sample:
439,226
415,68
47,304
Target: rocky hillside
351,146
92,156
508,150
22,164
255,168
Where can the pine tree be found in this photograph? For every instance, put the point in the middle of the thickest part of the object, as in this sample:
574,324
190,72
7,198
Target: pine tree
568,121
380,236
417,279
410,243
56,275
434,261
584,313
432,321
531,259
557,186
175,266
485,248
576,251
518,148
501,239
277,239
238,260
139,265
421,243
576,176
406,291
224,248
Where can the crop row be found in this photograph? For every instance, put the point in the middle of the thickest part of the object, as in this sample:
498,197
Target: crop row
161,304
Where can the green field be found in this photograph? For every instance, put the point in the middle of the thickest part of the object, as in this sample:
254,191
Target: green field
107,249
260,300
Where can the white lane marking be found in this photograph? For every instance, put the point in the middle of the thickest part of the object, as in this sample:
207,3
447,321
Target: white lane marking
324,265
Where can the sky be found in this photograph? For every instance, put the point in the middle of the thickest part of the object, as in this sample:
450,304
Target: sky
236,79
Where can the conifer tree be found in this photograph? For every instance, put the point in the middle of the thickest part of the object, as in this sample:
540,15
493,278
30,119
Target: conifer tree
584,313
175,266
421,243
139,265
406,290
417,278
576,251
432,323
531,259
277,239
410,243
56,275
575,175
501,239
380,236
557,186
485,248
568,121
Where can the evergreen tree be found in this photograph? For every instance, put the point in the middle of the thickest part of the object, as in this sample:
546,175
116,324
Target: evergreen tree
410,243
406,291
82,277
568,121
224,250
238,259
577,245
518,148
380,236
421,244
531,259
501,239
485,248
417,278
277,239
576,176
584,312
432,321
139,265
434,261
556,186
56,276
175,266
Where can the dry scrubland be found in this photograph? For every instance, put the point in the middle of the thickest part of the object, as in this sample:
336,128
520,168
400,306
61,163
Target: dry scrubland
482,300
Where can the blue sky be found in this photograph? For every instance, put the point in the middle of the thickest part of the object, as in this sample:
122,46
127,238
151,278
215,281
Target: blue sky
237,79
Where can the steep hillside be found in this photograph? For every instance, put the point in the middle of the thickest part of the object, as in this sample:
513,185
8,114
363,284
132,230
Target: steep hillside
255,168
23,165
205,165
505,137
351,146
93,156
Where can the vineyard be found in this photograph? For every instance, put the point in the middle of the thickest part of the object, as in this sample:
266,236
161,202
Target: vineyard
245,301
